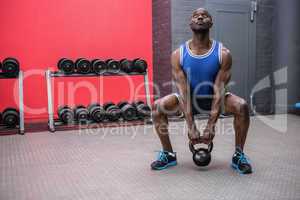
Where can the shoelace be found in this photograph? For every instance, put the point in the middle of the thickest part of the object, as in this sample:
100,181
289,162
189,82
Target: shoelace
243,159
162,156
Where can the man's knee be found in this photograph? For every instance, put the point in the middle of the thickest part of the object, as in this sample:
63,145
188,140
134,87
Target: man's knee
243,107
156,105
167,105
156,110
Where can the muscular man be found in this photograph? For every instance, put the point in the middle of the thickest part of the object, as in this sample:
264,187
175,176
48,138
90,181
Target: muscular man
201,69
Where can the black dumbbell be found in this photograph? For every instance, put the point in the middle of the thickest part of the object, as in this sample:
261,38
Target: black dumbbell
112,112
96,112
81,114
66,66
83,66
65,114
129,112
143,110
11,117
98,66
201,156
126,65
113,66
10,67
139,65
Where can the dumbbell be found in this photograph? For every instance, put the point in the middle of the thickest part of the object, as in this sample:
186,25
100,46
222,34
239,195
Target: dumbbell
11,117
96,112
10,67
81,114
65,114
126,65
113,66
143,110
98,66
129,112
201,156
66,66
112,112
139,65
83,66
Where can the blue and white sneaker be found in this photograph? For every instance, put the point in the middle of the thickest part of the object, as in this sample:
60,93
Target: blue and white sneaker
241,163
164,160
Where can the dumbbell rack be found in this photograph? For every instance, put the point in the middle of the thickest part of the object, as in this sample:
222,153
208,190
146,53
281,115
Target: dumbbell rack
52,123
21,128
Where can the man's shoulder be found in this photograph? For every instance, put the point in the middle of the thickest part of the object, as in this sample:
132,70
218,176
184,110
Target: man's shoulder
176,52
175,56
224,48
226,56
225,51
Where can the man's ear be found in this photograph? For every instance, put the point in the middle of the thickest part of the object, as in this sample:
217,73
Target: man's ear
211,24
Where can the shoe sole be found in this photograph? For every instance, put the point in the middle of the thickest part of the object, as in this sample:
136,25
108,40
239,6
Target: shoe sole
235,167
166,166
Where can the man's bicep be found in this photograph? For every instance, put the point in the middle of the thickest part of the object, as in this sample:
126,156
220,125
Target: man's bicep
226,59
226,66
176,67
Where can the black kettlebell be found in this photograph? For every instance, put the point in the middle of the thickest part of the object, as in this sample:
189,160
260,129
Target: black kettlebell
201,156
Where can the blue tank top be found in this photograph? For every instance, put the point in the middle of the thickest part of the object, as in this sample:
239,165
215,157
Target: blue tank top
201,70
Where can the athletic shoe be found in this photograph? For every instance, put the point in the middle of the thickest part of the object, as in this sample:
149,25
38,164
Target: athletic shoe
164,160
241,163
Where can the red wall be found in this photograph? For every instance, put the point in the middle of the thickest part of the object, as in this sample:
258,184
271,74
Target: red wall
39,33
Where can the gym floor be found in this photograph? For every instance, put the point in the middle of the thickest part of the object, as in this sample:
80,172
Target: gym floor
114,163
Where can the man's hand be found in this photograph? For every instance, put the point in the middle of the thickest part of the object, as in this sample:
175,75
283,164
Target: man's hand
194,136
207,137
208,134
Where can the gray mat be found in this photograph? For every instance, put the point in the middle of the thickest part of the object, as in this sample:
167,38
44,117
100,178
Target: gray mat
114,163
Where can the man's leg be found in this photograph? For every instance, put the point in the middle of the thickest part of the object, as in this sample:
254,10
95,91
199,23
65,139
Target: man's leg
162,108
239,108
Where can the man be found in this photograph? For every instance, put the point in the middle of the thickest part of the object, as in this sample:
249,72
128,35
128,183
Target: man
201,69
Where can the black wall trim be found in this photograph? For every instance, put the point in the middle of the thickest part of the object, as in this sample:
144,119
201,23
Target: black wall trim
162,45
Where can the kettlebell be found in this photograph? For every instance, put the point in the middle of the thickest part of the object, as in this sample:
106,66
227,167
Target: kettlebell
201,156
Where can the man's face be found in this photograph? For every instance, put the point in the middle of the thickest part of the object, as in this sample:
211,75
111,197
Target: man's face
201,20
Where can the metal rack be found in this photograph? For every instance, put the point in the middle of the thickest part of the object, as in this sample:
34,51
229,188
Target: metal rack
52,123
21,104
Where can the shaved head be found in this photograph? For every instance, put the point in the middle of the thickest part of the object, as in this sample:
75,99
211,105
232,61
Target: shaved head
201,10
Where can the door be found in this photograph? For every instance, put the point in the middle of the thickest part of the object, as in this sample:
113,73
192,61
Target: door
234,26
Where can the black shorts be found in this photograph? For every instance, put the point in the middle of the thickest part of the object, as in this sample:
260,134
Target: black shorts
200,105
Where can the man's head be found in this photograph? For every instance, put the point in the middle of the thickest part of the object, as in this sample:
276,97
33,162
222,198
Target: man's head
201,21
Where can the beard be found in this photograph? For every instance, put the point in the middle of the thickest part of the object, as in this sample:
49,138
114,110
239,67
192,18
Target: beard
200,29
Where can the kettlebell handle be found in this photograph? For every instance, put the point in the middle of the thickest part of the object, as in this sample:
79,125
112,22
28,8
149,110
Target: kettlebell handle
209,148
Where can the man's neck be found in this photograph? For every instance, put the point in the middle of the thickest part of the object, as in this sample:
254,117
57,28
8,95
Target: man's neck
201,40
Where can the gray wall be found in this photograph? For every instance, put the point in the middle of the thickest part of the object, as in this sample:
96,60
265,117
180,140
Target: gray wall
287,46
264,99
277,44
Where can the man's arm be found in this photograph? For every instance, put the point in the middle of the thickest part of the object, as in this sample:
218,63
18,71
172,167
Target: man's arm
183,87
222,79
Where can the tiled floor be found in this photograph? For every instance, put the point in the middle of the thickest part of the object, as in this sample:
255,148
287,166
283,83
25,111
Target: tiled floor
114,163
